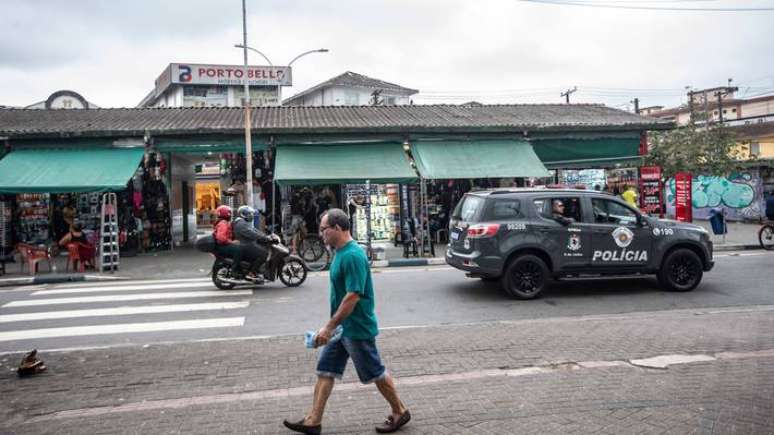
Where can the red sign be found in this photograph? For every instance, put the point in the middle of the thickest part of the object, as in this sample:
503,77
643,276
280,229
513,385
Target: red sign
643,151
650,190
683,207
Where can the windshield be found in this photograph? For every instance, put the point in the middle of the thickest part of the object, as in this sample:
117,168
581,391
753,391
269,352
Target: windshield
468,209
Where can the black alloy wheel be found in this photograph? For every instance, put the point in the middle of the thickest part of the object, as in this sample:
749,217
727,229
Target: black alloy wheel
766,237
681,271
293,273
219,272
526,277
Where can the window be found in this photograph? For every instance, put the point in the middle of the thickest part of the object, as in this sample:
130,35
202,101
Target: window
505,209
351,98
612,212
552,208
390,101
468,208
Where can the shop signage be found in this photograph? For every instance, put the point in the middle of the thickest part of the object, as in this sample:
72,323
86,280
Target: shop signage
651,190
683,199
643,151
205,74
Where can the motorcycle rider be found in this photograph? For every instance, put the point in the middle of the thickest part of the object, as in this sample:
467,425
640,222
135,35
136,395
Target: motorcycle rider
251,240
225,245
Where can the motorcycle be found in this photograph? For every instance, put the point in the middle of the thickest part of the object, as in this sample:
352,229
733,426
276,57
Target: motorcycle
290,269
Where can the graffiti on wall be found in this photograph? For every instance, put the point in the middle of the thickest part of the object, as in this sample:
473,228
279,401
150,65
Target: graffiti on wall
741,195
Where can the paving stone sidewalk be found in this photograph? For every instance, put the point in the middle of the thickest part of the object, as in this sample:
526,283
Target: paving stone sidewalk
567,375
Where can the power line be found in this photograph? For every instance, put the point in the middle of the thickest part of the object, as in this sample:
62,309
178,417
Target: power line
639,7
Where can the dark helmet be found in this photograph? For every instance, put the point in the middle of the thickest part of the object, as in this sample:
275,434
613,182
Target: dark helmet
246,212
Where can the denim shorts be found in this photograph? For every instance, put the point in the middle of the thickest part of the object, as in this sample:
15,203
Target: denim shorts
365,357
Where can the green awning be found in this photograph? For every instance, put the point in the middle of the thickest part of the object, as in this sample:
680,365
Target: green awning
588,153
476,159
343,164
65,171
205,145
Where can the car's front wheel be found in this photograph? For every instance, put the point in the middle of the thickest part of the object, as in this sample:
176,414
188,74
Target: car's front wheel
525,277
681,271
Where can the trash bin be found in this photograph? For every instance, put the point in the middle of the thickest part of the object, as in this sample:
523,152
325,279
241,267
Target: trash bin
718,221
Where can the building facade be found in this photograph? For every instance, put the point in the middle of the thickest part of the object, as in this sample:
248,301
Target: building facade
204,85
352,89
64,99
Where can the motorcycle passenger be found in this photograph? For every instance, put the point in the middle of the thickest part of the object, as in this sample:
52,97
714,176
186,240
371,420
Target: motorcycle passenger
225,245
251,240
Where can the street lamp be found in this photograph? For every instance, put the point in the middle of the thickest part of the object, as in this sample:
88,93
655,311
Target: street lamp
246,47
279,87
248,116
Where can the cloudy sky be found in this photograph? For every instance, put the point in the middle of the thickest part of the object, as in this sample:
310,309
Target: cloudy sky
492,51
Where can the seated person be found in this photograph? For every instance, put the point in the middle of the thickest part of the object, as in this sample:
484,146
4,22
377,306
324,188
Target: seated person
251,241
85,249
557,213
225,245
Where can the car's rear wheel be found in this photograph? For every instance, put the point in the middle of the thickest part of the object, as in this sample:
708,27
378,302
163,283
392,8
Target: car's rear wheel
525,277
681,271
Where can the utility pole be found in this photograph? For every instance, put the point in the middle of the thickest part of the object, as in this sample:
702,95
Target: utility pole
248,123
568,93
722,94
636,105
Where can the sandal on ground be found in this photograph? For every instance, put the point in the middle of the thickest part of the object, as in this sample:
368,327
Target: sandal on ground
302,428
391,425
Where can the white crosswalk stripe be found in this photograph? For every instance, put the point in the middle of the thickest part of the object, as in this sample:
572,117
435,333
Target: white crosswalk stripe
121,328
134,309
121,311
135,297
122,288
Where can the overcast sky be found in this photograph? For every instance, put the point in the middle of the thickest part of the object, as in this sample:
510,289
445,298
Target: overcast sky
492,51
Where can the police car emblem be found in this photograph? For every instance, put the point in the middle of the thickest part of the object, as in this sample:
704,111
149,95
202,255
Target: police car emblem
623,237
574,243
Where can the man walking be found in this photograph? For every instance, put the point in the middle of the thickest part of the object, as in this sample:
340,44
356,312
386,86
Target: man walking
352,306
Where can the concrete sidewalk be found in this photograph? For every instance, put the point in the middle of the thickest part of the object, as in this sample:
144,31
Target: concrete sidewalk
690,371
187,262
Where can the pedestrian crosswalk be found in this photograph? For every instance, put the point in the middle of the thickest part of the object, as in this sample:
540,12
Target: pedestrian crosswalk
128,307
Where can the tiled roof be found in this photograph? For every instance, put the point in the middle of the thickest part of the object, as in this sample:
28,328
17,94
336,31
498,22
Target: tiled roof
340,119
352,79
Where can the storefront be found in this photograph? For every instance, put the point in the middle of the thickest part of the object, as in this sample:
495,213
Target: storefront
47,190
332,151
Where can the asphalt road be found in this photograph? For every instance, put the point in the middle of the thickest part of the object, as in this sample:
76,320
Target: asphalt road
138,312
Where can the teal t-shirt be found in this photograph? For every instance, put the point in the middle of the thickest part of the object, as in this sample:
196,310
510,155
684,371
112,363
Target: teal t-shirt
350,272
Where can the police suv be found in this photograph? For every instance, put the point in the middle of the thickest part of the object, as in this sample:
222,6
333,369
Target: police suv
526,237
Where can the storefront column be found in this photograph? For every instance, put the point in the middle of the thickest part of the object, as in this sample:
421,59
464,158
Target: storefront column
368,217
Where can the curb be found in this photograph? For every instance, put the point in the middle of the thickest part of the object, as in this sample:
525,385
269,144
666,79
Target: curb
408,262
726,248
56,279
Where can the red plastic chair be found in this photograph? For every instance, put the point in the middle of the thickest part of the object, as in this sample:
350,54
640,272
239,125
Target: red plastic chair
32,255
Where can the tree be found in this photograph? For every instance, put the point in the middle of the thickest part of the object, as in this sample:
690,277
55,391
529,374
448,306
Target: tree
699,147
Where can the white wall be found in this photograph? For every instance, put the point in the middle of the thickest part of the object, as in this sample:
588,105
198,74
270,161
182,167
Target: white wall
347,96
182,170
759,108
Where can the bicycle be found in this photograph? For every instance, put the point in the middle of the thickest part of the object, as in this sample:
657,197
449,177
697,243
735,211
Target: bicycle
766,235
318,256
315,253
